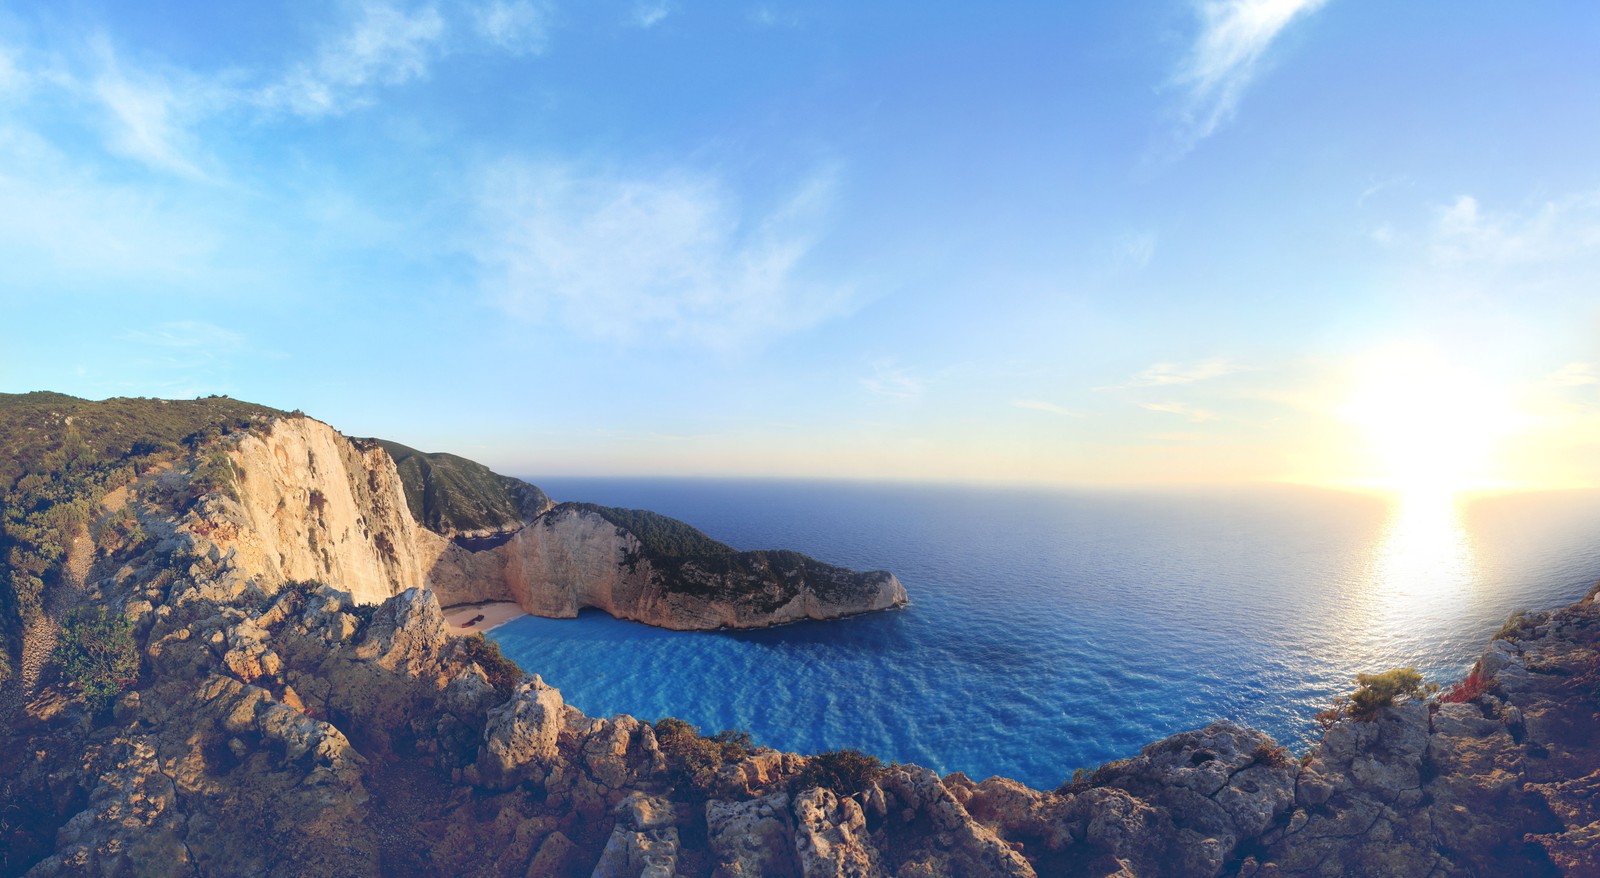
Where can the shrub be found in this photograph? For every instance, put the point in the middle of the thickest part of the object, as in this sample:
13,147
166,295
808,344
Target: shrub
694,760
1271,754
503,673
1472,687
1373,693
1512,629
846,772
97,654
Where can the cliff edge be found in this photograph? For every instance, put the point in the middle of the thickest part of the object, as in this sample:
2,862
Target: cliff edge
269,725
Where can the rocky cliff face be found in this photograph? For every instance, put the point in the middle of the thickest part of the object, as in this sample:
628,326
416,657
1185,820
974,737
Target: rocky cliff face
310,504
279,728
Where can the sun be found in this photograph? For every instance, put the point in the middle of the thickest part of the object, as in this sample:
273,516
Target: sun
1430,426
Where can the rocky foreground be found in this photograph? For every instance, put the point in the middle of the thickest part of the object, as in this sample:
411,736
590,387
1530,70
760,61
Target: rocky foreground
285,727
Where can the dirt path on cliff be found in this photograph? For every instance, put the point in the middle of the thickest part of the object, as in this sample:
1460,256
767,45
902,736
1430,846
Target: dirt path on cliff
39,636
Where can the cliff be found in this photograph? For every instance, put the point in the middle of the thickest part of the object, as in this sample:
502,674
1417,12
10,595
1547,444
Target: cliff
310,504
279,727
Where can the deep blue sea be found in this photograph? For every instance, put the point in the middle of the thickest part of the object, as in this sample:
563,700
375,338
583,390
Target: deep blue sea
1052,630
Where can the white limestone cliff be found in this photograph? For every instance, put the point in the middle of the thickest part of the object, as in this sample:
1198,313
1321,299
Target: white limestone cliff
312,504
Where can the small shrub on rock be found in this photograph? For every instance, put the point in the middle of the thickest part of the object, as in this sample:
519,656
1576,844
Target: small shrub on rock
1272,754
1472,687
503,673
693,759
846,772
97,654
1373,693
1513,628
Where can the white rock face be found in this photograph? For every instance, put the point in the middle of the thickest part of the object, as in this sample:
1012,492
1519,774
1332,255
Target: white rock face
313,505
316,507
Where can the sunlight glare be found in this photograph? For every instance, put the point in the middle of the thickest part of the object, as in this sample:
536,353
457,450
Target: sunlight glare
1431,427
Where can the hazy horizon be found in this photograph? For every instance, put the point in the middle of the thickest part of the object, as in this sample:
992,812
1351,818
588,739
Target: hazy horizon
1186,242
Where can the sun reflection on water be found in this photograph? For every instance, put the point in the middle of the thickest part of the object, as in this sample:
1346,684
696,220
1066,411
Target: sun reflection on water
1424,566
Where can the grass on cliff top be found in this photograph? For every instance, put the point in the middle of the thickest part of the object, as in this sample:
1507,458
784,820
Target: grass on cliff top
450,494
673,547
60,455
661,536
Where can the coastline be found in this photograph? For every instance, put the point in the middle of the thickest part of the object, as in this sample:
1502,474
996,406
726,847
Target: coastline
495,613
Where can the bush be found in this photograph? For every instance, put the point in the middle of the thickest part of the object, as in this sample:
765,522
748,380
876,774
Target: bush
1373,693
503,673
1513,628
846,772
97,654
1472,687
694,760
1272,754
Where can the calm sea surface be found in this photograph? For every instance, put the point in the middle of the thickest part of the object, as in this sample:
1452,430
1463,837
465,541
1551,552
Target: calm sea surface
1051,630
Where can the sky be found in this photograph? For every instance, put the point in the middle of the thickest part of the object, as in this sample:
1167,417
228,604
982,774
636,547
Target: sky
1202,241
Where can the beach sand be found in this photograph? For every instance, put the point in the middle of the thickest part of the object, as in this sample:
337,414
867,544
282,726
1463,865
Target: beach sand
494,613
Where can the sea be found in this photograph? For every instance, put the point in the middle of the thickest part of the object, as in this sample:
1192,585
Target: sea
1051,630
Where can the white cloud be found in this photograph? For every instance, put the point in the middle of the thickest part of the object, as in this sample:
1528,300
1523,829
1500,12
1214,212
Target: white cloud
1574,375
147,124
188,335
1182,410
1166,374
1038,405
890,380
1134,250
1234,35
651,13
671,256
384,46
1558,229
519,27
12,79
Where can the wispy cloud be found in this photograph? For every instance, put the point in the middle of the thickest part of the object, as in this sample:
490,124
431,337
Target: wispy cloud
1167,374
650,13
766,15
1464,232
384,45
1225,58
1180,409
148,121
1134,250
1039,405
888,379
1574,375
188,335
517,27
674,256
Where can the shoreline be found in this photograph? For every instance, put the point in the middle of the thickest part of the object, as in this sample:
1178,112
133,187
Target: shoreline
494,613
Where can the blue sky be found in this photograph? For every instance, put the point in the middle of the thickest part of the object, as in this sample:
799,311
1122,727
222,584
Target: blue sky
1238,240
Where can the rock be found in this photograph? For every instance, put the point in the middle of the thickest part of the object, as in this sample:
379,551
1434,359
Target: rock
632,854
752,838
830,837
520,738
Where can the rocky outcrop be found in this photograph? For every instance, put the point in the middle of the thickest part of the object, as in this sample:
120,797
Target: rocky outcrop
310,504
287,728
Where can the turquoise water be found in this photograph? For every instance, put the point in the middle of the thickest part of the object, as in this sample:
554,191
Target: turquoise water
1055,630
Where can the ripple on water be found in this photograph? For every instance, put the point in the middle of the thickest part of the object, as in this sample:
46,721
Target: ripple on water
1052,631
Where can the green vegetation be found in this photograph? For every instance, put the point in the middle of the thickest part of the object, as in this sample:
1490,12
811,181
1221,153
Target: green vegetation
846,772
694,760
503,673
693,563
62,455
97,654
449,494
663,538
1272,754
1515,626
1373,693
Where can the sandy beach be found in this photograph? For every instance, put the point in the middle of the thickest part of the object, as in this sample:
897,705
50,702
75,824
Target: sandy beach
494,614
